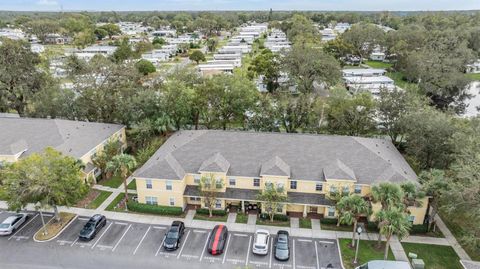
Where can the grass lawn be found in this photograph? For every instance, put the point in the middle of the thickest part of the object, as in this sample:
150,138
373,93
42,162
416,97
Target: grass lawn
378,64
367,252
213,218
473,76
113,182
333,227
53,227
103,195
457,227
132,185
399,81
435,257
305,223
241,218
273,223
114,203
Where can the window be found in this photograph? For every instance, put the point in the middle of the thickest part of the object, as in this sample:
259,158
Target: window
411,218
268,185
256,182
293,184
232,182
331,211
149,200
218,183
196,179
195,199
280,186
319,186
358,189
333,189
280,209
168,185
172,201
345,189
148,183
218,204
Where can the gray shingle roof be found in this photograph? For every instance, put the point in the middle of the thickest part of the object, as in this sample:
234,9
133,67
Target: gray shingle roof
338,170
230,193
215,163
368,160
275,167
308,198
73,138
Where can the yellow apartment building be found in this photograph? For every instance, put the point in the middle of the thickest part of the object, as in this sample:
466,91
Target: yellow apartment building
308,167
20,137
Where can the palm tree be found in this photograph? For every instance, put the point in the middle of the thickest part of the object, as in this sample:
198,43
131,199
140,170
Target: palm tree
394,222
122,165
351,208
412,194
388,195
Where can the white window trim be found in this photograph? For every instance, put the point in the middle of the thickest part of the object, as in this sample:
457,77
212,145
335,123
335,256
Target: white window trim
168,184
171,201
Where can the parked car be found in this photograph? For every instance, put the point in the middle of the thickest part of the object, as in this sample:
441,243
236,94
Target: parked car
92,227
12,223
217,240
260,242
173,236
281,248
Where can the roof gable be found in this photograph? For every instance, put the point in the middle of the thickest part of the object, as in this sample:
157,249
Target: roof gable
338,170
275,167
215,163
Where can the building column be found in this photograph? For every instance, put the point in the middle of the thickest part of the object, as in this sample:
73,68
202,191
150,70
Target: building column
243,206
304,211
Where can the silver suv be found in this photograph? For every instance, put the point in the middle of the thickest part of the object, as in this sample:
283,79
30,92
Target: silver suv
260,244
12,223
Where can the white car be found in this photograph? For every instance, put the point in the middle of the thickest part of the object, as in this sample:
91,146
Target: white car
12,223
260,243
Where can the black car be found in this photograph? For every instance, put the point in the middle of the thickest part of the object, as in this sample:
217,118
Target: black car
173,236
217,240
281,249
92,227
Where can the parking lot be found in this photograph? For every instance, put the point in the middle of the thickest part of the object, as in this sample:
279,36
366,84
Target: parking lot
128,239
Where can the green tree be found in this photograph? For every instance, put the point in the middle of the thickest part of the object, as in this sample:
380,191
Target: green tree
123,52
145,67
20,77
111,29
111,149
302,31
123,166
176,102
272,198
351,208
363,38
295,113
338,48
84,38
42,27
389,195
435,185
393,222
350,115
142,47
197,56
307,65
210,188
48,178
212,44
267,64
100,33
158,42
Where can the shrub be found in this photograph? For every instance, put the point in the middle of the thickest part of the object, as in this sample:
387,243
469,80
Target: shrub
154,209
280,217
328,221
419,229
204,211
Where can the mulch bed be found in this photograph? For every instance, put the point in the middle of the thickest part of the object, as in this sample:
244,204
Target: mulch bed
92,195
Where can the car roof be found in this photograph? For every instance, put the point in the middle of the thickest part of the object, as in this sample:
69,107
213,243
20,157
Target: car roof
96,217
10,219
261,238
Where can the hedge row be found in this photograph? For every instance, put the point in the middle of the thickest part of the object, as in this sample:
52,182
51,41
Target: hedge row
277,217
328,221
155,209
204,211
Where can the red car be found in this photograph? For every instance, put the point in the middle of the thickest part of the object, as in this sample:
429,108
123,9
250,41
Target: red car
218,239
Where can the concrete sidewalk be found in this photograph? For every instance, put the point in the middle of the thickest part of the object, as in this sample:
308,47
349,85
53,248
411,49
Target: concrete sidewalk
452,241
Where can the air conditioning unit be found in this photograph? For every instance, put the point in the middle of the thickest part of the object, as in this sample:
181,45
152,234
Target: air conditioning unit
418,264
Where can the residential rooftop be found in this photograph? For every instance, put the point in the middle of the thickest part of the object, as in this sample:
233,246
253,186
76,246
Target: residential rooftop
73,138
298,156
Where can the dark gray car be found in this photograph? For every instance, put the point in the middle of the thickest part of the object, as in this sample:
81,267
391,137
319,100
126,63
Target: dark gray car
173,236
92,227
281,249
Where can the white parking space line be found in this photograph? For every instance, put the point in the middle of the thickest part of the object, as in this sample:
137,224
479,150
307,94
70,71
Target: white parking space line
74,242
64,242
200,231
226,250
135,251
241,235
271,250
121,223
205,246
160,247
304,240
84,219
24,225
248,251
316,255
47,215
326,242
293,248
159,227
183,245
104,232
118,243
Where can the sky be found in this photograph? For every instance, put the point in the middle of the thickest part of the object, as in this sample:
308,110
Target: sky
140,5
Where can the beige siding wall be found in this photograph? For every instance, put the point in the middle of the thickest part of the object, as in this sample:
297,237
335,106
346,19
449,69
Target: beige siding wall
159,190
120,136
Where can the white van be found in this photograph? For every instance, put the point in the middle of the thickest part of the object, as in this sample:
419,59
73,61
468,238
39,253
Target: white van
385,265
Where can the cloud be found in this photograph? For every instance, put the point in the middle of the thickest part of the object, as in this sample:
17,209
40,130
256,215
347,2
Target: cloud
47,2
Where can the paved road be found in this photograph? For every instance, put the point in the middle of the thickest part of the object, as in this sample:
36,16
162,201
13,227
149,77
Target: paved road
123,244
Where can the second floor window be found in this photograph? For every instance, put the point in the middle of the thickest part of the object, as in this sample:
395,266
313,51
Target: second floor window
333,189
293,184
256,182
218,184
196,179
358,189
232,182
346,189
168,185
218,204
148,183
319,187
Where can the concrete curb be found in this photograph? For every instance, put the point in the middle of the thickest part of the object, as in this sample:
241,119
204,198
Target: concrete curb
60,232
340,252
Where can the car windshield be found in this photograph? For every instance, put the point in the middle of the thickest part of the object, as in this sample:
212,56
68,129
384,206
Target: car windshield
172,235
4,225
259,247
282,246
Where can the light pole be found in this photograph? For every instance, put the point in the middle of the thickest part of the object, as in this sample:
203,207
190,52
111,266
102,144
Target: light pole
359,232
